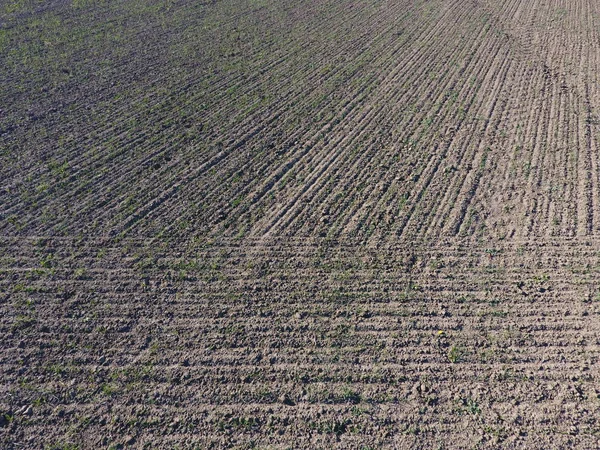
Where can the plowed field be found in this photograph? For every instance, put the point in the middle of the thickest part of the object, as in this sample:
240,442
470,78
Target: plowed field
299,224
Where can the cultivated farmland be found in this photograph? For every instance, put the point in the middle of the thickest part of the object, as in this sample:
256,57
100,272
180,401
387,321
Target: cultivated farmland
299,224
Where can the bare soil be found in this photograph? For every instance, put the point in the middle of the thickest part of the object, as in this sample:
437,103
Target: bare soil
316,224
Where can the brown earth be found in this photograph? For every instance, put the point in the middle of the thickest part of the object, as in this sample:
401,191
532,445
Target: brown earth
317,224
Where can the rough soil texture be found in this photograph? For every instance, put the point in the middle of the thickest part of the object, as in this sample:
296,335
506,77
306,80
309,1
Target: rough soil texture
300,224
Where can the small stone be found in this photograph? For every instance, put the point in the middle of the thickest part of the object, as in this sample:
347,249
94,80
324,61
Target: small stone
286,400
